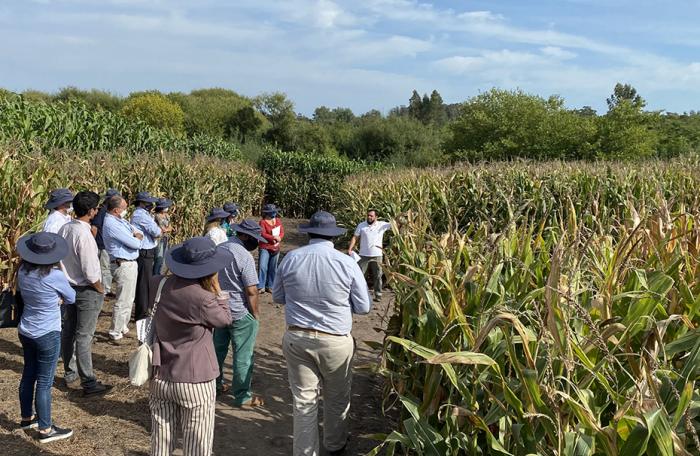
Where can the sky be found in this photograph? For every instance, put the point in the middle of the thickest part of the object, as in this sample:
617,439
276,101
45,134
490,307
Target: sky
361,54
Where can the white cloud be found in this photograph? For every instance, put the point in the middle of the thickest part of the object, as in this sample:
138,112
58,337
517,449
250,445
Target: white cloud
557,52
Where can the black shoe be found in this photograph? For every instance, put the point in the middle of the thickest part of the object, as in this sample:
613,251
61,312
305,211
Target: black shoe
56,433
29,424
98,388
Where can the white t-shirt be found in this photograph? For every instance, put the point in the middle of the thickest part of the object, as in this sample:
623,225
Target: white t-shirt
55,221
371,237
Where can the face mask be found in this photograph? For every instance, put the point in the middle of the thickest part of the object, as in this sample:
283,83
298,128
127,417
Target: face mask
250,244
69,210
123,213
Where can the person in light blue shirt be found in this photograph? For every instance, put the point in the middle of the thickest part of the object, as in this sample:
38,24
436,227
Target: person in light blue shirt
144,222
122,243
42,286
321,288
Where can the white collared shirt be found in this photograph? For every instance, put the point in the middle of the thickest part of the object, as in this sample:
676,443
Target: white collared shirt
371,237
82,263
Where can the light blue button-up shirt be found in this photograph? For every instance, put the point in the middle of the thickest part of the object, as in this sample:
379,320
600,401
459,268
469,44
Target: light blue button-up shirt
143,221
321,288
41,294
236,277
118,236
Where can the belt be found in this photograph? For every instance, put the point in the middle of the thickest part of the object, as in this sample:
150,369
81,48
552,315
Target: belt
119,261
313,331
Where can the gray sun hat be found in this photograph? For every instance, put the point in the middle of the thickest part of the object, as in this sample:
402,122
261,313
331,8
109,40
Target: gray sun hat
250,228
231,208
58,197
322,223
217,213
42,248
197,257
145,197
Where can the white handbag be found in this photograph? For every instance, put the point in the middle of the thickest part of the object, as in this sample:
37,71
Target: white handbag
140,360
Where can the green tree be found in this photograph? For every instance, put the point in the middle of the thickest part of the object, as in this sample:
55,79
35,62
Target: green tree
436,109
155,110
279,111
37,95
626,132
415,105
501,124
244,123
625,92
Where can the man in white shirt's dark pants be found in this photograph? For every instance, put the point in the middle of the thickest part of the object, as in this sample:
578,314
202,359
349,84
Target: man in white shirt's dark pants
321,289
370,233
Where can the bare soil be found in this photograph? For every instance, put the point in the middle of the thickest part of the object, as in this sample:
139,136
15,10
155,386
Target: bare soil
119,423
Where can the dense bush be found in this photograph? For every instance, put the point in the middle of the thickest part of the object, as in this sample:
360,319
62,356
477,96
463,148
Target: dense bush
155,110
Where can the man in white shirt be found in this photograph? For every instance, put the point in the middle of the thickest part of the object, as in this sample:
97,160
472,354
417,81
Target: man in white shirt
370,233
82,267
60,207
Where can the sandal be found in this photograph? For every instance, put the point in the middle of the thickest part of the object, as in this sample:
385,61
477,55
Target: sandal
255,401
223,389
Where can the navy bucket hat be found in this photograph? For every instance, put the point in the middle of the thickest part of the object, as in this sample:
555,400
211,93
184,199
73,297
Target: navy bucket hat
110,193
145,197
42,248
250,228
322,223
58,197
231,208
197,257
163,203
270,209
217,213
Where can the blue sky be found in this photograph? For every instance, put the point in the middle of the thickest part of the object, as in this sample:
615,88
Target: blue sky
357,54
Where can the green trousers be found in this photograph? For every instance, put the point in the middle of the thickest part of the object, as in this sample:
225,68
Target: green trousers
241,335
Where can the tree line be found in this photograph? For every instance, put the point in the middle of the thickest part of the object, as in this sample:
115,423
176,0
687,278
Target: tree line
493,125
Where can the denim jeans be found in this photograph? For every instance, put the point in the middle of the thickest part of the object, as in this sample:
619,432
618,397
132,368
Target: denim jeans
40,358
241,335
79,323
268,268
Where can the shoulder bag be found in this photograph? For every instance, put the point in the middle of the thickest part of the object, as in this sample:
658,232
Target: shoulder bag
140,360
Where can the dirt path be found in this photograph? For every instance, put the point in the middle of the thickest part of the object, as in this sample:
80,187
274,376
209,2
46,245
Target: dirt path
119,423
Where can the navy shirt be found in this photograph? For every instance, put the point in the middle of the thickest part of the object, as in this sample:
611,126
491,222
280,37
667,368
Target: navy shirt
98,221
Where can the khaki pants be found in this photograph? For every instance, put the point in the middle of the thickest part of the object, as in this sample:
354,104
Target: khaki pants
106,271
189,407
124,287
319,361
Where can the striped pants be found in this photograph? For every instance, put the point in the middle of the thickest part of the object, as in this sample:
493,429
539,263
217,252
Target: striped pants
188,406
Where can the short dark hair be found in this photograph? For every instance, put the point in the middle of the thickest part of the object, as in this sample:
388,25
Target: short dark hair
373,210
114,202
84,201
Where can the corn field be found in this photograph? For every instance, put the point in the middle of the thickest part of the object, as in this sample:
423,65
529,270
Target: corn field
545,309
37,126
195,184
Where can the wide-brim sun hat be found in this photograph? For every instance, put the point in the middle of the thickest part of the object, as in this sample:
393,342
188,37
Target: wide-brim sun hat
250,228
322,223
217,213
42,248
145,197
163,203
197,257
58,197
269,209
231,208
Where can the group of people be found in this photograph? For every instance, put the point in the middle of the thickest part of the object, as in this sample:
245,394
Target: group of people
206,302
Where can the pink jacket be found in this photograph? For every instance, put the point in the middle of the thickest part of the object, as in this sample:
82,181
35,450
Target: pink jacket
186,316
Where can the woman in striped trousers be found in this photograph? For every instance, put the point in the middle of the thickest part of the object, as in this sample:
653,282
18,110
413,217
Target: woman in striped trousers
183,387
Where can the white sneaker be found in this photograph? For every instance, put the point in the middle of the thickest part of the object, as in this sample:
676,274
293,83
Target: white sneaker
125,331
112,337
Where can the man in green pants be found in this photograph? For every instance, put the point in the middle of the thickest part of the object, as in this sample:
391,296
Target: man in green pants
240,280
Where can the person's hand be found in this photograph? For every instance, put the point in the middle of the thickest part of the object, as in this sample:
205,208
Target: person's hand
138,235
350,252
276,238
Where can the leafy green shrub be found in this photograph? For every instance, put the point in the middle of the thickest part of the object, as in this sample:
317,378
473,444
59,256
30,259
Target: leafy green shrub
155,110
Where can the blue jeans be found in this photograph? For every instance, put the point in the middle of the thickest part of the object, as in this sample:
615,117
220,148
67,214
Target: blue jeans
40,358
268,268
